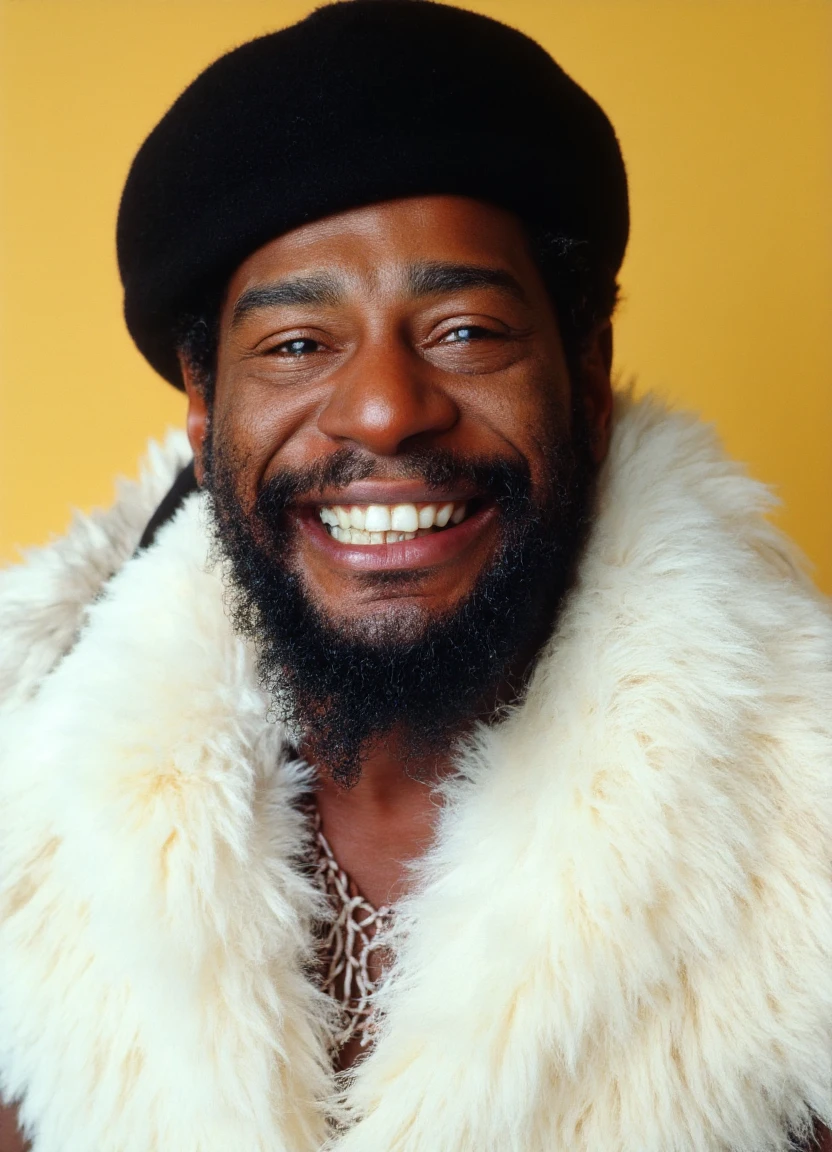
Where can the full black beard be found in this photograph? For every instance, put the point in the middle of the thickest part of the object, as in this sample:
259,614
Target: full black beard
340,685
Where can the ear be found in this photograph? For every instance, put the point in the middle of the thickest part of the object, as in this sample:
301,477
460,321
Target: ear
197,420
596,367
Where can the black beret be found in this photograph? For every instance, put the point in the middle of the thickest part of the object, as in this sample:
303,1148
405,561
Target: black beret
363,101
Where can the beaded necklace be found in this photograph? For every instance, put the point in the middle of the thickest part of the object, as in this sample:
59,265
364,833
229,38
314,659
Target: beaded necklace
352,949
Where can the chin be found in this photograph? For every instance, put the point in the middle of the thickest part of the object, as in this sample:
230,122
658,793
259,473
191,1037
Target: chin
402,620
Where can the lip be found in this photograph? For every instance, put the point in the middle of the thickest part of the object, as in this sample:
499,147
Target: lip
406,555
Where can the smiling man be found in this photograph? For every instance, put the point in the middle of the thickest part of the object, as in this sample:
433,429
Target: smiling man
432,753
400,535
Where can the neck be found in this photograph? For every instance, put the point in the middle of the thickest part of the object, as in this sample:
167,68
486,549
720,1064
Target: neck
387,820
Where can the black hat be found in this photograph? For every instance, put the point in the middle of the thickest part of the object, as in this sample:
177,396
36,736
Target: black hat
363,101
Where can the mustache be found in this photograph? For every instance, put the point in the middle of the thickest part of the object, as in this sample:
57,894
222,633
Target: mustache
507,482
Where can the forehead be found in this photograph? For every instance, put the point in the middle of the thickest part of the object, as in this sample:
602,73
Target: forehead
374,246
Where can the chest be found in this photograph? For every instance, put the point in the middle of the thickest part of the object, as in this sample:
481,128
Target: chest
352,956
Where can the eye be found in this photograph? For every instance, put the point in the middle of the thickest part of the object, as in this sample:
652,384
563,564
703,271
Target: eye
467,333
292,349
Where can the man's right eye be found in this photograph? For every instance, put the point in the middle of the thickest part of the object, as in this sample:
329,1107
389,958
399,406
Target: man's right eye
302,346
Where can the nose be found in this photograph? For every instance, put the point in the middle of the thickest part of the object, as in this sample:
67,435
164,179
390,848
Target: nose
383,398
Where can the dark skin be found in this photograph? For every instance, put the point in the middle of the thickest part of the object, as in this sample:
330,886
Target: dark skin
386,360
415,323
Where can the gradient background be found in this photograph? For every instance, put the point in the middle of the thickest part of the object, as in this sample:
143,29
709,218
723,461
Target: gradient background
723,112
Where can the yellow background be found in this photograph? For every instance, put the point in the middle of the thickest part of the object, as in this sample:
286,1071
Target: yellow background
723,111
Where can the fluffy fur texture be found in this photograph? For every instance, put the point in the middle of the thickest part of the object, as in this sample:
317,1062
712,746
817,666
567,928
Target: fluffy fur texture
621,941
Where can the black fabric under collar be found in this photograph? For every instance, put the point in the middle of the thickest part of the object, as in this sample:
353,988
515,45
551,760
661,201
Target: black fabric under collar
184,484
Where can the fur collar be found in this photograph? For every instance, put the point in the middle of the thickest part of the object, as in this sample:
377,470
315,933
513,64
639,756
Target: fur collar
621,940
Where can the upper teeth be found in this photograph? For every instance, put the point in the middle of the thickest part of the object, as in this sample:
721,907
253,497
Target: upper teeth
379,522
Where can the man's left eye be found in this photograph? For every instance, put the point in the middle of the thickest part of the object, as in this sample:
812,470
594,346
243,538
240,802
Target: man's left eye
466,333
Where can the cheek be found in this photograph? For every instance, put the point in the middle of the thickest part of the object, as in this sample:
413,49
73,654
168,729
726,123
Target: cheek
259,434
533,416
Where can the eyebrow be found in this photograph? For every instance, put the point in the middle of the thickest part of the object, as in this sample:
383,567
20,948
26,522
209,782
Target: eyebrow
433,278
316,288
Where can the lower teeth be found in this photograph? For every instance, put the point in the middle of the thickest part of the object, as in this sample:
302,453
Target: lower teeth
357,536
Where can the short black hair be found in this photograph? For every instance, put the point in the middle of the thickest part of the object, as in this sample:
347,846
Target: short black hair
196,338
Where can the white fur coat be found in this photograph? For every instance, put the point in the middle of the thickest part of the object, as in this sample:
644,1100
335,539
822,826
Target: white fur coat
620,942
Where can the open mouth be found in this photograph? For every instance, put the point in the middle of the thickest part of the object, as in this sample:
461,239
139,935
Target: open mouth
391,523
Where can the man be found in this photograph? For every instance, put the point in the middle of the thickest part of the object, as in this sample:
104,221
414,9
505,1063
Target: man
451,771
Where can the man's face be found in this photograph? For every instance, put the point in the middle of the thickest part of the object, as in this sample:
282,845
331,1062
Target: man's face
388,381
